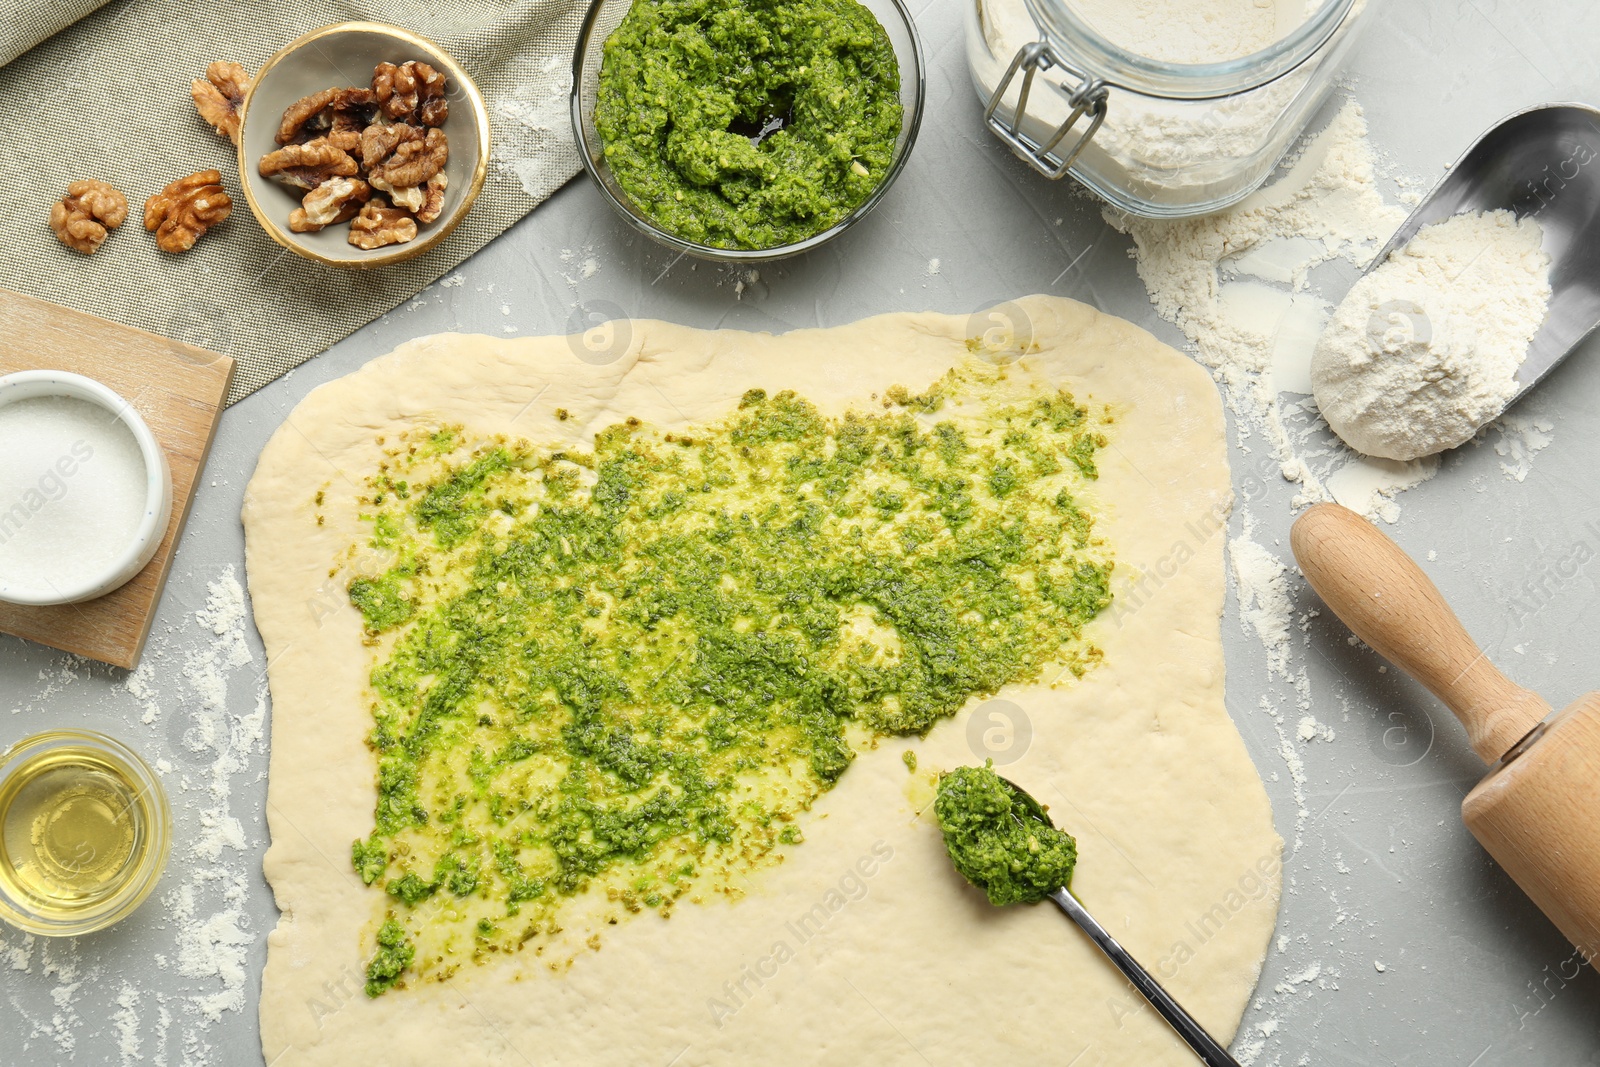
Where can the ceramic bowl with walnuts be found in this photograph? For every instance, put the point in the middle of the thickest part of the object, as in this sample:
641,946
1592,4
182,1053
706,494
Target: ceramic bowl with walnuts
352,206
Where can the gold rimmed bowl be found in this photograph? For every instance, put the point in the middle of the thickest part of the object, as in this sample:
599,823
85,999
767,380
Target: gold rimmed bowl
339,55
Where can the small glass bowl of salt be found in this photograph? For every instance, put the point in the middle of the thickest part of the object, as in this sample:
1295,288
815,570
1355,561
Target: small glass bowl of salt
85,490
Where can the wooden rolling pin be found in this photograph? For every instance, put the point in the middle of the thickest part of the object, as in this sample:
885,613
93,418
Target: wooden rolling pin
1538,810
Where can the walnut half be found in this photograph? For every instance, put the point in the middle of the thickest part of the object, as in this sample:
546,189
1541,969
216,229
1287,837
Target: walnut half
379,141
336,200
413,162
433,198
411,92
306,166
380,224
351,113
314,115
219,95
184,210
82,218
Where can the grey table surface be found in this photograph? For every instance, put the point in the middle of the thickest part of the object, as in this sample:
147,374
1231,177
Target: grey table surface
1400,942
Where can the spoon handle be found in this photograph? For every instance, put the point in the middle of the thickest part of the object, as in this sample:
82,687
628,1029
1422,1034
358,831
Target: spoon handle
1205,1046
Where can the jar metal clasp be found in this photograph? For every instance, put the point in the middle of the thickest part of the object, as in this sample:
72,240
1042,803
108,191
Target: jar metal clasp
1088,98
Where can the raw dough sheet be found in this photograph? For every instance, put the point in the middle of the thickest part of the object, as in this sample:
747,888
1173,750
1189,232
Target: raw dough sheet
865,945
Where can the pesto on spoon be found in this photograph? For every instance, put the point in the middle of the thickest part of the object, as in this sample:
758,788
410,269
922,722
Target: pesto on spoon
1003,842
1000,839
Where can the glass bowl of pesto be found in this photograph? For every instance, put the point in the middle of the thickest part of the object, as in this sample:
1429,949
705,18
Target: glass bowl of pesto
746,130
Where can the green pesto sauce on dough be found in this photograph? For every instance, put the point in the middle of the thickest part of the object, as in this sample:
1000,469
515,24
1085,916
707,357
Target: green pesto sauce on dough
687,87
613,679
999,842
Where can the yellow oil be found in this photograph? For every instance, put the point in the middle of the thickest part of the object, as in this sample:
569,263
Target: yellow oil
74,826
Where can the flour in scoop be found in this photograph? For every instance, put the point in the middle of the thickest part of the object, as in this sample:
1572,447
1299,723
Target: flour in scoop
72,491
1425,349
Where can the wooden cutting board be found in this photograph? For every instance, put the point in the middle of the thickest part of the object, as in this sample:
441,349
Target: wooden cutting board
179,390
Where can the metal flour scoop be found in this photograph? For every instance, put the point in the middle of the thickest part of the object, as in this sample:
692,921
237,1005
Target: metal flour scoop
1543,162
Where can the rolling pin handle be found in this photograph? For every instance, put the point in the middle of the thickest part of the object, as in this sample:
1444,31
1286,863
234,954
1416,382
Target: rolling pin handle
1388,602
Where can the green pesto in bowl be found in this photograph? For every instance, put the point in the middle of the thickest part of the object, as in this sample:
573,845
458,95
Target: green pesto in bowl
748,125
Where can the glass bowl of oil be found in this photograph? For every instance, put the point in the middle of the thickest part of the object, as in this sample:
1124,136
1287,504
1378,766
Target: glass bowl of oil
84,832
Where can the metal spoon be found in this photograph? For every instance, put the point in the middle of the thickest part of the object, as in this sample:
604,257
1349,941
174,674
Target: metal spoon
1210,1051
1543,162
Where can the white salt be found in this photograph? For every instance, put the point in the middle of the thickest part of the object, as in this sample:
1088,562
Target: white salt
72,490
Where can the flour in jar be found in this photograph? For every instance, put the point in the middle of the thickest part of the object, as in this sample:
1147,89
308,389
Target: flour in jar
1183,154
1200,31
1425,349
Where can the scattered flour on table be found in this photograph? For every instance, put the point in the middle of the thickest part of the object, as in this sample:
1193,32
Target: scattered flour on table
1258,340
584,265
1424,350
1253,1039
1521,438
1264,603
61,1021
1309,729
201,923
213,946
1370,485
1305,977
18,956
54,680
140,685
1266,610
126,1018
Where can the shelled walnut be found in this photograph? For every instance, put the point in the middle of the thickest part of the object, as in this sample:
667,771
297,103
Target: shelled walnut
379,141
411,92
183,211
306,166
82,218
219,95
433,197
338,200
309,113
379,224
343,145
403,174
352,113
414,161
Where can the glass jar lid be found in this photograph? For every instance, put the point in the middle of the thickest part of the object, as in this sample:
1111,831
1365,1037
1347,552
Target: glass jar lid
1079,47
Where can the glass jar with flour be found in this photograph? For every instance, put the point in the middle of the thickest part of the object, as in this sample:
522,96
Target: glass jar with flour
1165,108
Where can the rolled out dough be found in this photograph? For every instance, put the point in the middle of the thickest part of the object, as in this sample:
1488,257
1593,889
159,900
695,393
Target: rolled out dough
864,946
